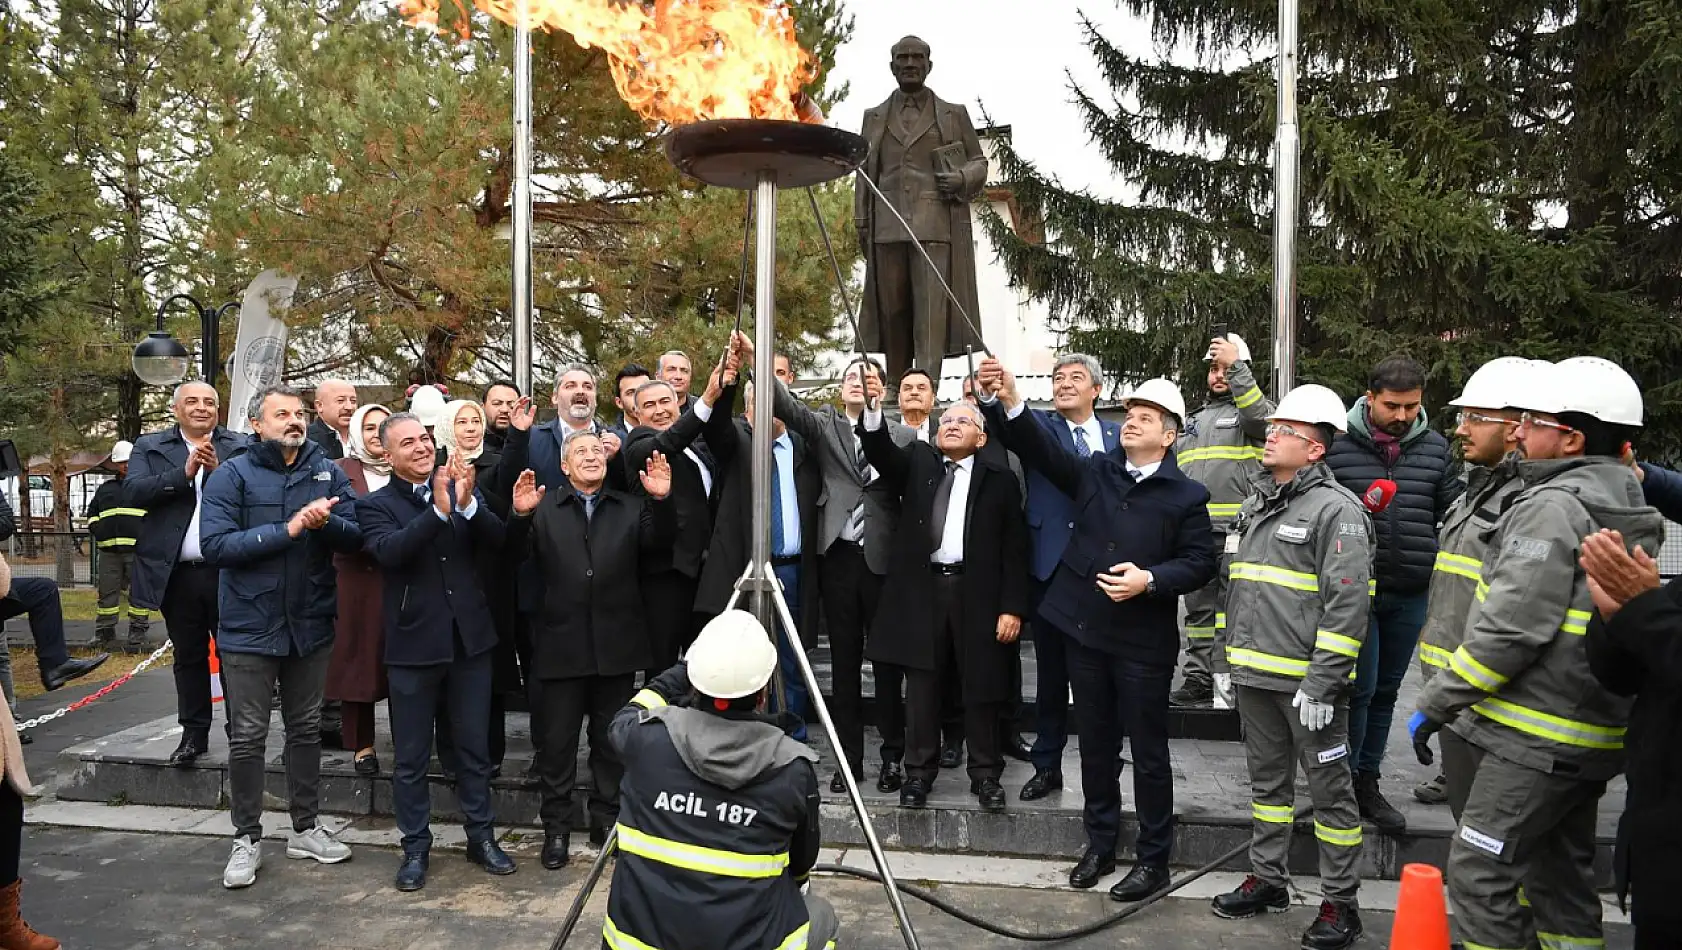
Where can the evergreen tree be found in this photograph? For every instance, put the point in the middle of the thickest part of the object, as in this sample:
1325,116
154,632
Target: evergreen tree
1477,180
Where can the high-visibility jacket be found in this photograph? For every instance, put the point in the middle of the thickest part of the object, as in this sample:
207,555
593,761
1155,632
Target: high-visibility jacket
113,524
1522,676
718,827
1222,445
1299,585
1461,543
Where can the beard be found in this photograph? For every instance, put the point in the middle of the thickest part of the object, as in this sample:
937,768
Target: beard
292,438
579,411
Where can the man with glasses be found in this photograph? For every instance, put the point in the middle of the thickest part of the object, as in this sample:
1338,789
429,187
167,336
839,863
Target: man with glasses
1489,427
1299,586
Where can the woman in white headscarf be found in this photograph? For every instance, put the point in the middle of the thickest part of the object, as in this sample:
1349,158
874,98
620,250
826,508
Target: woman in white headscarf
356,672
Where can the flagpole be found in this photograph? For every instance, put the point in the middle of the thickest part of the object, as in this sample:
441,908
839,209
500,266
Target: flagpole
522,305
1286,159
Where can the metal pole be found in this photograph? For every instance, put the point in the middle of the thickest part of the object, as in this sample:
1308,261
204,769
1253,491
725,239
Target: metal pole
1287,148
211,357
846,773
764,363
522,202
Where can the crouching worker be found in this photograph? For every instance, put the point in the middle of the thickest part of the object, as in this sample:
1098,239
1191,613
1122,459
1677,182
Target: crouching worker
718,814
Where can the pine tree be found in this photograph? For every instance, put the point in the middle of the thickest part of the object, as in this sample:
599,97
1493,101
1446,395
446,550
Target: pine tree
1477,180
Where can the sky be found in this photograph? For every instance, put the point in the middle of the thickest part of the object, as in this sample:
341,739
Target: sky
1013,56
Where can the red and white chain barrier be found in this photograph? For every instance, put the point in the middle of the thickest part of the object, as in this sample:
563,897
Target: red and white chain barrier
101,694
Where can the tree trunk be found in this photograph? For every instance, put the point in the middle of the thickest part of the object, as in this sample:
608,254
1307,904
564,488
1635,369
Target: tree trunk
59,460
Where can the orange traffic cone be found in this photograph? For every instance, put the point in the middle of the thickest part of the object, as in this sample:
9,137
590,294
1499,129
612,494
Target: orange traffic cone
215,674
1421,912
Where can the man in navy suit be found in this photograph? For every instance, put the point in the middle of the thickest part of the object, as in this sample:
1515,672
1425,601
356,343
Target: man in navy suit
427,529
1076,382
1141,538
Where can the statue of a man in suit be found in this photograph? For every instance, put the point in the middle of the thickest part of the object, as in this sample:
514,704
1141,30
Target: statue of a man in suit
926,159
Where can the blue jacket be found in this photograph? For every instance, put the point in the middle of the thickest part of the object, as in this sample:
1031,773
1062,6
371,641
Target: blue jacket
278,595
157,481
1050,524
1663,490
1161,524
432,585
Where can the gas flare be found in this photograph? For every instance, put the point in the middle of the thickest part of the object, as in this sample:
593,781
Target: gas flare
674,61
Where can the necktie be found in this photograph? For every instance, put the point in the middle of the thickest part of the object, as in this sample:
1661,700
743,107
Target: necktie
1082,449
424,493
776,501
942,501
589,505
1138,474
855,522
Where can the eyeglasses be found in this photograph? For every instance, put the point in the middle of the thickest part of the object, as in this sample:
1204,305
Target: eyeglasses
1530,419
958,421
1465,416
1283,431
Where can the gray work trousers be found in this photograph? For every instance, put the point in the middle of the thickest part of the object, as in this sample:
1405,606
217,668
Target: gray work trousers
1525,833
250,681
1275,741
1206,624
115,565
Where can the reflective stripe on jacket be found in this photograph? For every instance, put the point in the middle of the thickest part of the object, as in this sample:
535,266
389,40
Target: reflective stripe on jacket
1299,586
1523,669
113,524
1222,445
1454,579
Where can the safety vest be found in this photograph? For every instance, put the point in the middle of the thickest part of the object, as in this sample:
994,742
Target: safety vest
114,525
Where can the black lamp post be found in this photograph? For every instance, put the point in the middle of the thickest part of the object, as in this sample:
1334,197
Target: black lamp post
161,360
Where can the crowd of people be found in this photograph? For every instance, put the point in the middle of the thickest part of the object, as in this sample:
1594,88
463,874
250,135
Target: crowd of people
458,555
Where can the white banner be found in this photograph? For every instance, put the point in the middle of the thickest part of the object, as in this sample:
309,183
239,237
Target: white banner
259,353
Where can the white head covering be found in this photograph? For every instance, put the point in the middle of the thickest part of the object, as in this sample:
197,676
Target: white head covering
445,432
359,449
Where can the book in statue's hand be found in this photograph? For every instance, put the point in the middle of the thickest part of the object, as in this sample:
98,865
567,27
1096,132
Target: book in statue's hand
951,158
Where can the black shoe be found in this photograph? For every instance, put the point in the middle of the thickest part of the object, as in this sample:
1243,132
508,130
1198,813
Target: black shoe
598,836
555,851
991,794
1374,807
1140,883
1337,927
25,738
890,778
1194,692
913,794
837,784
490,856
496,771
1018,748
411,874
188,752
1092,866
952,754
105,641
368,765
1044,782
72,670
1251,898
135,649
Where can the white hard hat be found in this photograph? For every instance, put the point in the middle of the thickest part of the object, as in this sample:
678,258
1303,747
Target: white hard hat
428,404
1600,389
1541,391
1161,393
733,657
1315,404
1238,341
121,451
1500,383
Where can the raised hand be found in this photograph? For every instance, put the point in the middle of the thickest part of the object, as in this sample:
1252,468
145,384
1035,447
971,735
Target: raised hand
990,375
528,494
872,391
465,476
610,443
525,413
657,476
441,491
743,346
1223,352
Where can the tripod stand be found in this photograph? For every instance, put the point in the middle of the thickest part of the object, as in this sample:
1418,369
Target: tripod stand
761,581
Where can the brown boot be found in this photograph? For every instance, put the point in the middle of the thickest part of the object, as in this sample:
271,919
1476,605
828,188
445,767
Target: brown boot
14,933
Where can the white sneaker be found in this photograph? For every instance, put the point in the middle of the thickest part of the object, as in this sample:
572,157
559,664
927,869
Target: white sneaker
319,844
243,863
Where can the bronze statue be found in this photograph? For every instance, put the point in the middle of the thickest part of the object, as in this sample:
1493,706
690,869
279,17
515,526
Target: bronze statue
927,160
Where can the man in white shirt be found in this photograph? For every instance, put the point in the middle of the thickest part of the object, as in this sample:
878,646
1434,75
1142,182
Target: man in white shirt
916,401
335,403
167,471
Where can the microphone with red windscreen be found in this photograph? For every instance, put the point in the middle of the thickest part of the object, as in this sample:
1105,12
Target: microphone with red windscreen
1379,495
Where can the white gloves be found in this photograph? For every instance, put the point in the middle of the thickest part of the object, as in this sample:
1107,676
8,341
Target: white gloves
1315,715
1223,690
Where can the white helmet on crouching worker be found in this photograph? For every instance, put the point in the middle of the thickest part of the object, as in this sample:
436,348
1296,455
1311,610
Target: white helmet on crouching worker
1600,389
1314,404
732,658
1510,382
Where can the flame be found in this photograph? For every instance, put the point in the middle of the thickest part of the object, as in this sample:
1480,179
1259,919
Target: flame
674,61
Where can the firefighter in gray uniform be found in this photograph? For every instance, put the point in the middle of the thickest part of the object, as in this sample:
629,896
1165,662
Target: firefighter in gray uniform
718,815
1301,579
1221,449
1545,736
1491,419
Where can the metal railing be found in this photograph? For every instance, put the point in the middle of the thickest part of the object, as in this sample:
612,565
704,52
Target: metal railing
68,557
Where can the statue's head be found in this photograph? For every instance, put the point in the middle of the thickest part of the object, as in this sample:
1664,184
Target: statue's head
911,63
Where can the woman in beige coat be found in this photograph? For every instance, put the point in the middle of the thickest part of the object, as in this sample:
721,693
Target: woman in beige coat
14,933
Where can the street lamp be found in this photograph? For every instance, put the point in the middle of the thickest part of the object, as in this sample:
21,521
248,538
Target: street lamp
161,360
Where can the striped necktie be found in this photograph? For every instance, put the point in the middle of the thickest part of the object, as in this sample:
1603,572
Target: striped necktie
1082,449
855,521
